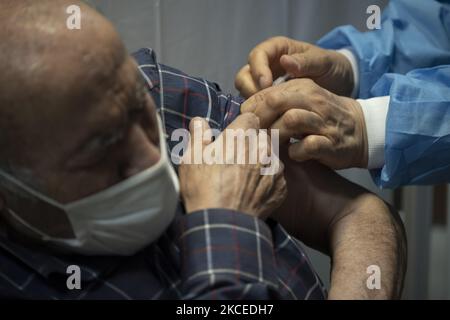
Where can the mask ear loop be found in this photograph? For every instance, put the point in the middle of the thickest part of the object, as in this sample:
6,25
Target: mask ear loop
34,230
10,214
24,188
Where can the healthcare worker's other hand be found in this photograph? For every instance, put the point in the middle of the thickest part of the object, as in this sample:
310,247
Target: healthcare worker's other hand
280,55
330,128
239,187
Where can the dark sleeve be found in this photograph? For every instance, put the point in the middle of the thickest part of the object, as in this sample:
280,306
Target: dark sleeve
226,255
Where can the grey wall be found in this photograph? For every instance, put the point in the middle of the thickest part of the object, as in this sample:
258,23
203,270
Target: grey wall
212,38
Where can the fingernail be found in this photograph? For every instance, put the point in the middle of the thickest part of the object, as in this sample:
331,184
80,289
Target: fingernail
293,61
263,82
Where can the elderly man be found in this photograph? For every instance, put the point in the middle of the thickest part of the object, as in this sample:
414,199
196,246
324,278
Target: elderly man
86,183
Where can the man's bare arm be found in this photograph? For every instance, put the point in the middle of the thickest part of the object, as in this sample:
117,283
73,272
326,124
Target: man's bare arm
368,238
347,222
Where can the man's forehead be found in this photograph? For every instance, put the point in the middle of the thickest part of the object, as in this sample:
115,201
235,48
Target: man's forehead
42,45
90,102
55,80
64,117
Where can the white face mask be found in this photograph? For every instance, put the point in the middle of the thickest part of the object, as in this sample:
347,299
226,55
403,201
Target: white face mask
120,220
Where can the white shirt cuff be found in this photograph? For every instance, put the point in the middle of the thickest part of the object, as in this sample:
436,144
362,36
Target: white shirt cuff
352,59
375,114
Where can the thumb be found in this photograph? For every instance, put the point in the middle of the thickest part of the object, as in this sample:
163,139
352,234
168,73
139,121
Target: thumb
303,65
311,147
200,131
200,136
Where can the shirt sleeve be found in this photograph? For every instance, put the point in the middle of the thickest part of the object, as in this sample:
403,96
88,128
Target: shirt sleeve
226,255
407,127
375,112
407,121
414,34
417,142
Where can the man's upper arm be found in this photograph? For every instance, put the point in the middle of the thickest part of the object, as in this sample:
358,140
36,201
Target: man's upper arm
181,97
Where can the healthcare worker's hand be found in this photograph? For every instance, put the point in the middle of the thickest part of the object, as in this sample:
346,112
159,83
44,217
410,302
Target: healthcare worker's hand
280,55
239,187
330,128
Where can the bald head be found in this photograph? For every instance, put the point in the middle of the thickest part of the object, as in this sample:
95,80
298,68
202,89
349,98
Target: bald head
74,112
75,115
45,66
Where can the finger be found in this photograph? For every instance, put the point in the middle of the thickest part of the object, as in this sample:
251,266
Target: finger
245,121
304,65
264,60
200,135
262,149
279,191
244,82
258,98
280,179
312,147
260,69
264,143
269,104
295,123
200,131
278,176
247,106
275,101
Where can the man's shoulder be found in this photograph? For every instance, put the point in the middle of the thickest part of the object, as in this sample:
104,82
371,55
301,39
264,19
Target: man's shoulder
180,97
144,56
147,61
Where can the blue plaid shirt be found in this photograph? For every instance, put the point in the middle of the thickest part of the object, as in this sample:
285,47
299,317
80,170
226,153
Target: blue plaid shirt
210,254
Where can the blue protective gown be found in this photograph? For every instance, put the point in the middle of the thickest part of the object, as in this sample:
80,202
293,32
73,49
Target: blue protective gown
409,60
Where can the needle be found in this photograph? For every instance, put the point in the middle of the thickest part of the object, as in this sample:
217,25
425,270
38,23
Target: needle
281,79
